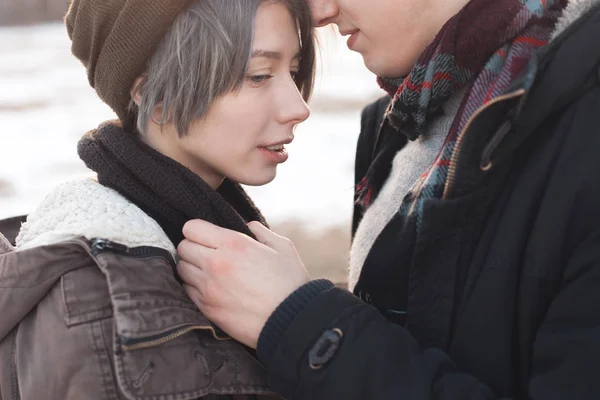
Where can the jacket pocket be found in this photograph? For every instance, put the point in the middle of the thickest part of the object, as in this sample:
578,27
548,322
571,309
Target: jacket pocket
85,295
164,348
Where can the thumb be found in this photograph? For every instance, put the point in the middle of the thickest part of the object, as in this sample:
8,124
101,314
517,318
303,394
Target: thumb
270,239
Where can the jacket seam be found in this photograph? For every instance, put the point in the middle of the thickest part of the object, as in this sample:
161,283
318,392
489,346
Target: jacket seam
13,368
171,262
70,267
99,348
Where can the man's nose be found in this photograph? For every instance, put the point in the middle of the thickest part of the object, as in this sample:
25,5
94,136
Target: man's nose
323,12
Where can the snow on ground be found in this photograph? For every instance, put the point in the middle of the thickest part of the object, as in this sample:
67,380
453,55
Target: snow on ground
46,104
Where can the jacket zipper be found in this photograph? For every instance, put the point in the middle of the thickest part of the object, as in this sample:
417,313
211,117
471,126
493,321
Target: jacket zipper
461,136
99,246
146,343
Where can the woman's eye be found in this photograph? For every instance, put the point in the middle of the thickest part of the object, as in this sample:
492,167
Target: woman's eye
258,79
294,74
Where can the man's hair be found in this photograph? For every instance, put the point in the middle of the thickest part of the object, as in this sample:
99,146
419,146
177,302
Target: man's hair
205,55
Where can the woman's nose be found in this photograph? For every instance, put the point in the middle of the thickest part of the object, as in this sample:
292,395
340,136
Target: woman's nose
292,107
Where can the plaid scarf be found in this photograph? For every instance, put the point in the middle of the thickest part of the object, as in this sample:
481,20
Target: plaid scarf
487,44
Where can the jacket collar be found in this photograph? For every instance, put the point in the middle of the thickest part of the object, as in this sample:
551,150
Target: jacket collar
87,208
575,9
546,86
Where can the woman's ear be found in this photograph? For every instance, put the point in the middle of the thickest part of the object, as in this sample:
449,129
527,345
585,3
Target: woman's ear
157,115
135,92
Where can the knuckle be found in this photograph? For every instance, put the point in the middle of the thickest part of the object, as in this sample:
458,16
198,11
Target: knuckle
208,264
237,243
215,266
220,266
209,294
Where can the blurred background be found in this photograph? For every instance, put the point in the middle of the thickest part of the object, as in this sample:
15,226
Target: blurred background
46,105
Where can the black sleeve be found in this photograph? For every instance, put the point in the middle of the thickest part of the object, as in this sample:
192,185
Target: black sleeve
338,347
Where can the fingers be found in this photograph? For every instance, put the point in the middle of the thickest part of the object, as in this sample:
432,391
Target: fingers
191,274
194,294
270,238
206,234
194,253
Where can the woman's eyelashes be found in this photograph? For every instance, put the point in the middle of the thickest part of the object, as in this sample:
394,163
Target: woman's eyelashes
257,80
261,79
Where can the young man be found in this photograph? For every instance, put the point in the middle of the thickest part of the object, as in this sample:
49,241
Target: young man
475,263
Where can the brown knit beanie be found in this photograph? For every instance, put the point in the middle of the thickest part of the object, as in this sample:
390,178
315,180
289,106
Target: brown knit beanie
115,39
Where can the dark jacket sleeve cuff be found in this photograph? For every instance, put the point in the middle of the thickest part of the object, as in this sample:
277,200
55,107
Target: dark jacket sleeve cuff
284,315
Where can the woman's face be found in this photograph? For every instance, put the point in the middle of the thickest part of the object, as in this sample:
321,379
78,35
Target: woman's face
389,34
244,133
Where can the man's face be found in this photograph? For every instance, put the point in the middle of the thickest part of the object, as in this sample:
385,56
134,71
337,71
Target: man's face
389,34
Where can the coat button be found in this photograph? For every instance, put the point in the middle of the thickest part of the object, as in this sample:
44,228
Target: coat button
325,347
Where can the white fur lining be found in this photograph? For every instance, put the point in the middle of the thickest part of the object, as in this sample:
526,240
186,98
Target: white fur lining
574,10
87,208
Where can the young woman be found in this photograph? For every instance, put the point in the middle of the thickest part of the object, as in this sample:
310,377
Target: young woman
208,94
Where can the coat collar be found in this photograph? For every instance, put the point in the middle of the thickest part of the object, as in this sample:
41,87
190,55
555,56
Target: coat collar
87,208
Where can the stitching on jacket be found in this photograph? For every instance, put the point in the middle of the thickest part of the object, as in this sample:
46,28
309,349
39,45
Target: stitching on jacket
13,368
139,382
99,348
64,296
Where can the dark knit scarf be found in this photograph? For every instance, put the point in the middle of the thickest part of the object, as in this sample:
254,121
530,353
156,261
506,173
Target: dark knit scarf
486,45
164,189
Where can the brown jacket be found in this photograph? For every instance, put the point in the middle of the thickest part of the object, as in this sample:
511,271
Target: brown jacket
84,318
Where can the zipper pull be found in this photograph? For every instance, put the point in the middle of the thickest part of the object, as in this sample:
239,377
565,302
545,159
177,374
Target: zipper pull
100,245
488,150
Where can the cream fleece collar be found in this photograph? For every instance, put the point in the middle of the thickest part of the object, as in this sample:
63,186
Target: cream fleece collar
87,208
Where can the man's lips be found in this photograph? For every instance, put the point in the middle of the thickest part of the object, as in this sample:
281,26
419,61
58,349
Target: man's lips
346,32
352,39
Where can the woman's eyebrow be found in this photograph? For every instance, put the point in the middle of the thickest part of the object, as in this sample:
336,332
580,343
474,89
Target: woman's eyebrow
274,55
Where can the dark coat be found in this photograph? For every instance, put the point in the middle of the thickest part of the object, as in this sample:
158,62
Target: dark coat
503,280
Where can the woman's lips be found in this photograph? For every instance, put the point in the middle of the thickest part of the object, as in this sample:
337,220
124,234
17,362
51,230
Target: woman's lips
275,156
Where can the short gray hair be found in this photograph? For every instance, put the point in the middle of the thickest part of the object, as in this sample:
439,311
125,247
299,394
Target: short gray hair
205,55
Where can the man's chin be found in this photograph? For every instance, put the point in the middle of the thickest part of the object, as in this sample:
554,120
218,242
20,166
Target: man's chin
386,68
